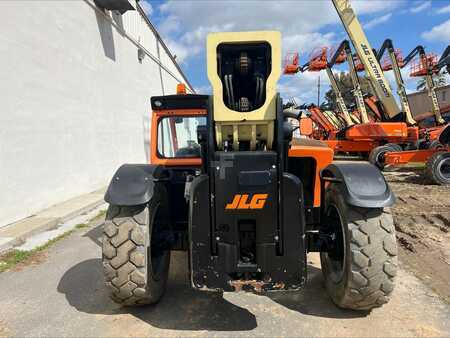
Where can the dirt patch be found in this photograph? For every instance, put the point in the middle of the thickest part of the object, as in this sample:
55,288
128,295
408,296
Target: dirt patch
422,220
16,260
35,259
4,332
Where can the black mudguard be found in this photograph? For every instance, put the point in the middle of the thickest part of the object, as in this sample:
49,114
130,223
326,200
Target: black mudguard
444,136
134,184
361,184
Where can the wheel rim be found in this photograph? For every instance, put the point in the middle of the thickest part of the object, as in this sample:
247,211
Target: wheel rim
158,244
336,256
379,159
444,169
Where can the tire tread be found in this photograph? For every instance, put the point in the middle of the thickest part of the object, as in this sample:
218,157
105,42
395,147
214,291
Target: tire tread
369,277
371,263
125,267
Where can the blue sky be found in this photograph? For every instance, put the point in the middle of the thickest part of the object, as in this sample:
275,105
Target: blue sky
304,25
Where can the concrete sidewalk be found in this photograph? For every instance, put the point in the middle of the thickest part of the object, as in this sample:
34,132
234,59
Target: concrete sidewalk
16,233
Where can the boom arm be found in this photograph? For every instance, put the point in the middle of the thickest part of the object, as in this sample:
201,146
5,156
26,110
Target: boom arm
321,119
401,89
444,60
357,91
339,98
367,56
431,87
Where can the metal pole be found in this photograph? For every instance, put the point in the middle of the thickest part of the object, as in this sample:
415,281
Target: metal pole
318,92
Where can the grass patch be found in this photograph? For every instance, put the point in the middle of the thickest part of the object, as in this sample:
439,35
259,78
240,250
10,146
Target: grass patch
81,226
100,214
14,257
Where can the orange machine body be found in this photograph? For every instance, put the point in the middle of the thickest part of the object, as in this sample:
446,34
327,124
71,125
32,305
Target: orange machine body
364,137
410,156
322,156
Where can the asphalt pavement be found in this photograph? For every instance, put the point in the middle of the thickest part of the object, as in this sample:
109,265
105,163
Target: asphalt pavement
61,293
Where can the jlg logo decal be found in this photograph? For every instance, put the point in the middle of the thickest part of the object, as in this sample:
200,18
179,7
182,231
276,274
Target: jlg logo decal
242,202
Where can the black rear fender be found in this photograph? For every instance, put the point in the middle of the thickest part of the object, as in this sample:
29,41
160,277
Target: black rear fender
361,184
135,184
444,136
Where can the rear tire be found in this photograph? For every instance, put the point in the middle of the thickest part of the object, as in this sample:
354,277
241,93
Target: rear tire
359,272
422,144
435,144
394,146
136,257
438,168
376,156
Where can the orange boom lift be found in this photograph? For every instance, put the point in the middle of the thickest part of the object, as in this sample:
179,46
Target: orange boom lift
355,137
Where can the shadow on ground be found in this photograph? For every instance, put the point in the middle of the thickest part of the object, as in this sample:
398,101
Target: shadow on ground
406,175
183,308
313,299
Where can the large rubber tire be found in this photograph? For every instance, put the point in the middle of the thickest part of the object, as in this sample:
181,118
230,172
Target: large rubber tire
359,273
411,146
438,168
435,144
394,146
422,144
376,156
136,256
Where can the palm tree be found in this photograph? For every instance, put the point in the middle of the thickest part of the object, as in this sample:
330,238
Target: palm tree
439,80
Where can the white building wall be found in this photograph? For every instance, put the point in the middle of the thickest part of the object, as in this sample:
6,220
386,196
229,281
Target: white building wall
75,100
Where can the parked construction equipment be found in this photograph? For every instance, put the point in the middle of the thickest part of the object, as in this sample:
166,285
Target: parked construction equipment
389,129
362,136
244,197
433,147
435,159
426,66
367,57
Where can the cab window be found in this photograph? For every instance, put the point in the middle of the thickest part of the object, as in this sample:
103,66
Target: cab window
177,136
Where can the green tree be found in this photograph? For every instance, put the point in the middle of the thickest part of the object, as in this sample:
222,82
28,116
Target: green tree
345,84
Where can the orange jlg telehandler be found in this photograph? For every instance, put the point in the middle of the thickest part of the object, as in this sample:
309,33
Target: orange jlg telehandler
243,197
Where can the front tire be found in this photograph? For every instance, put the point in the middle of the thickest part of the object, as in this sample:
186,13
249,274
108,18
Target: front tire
435,144
135,254
438,168
394,146
359,271
376,156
